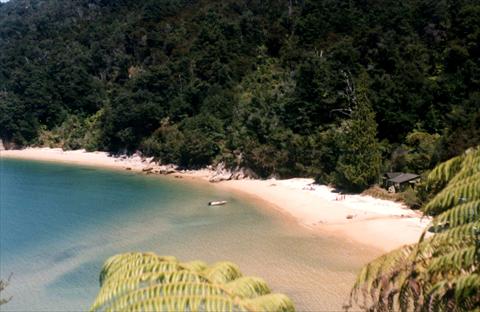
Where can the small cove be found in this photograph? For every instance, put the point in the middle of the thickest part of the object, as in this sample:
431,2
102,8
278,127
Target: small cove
58,223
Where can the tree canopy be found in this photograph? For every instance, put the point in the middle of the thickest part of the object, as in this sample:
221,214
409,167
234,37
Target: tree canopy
260,84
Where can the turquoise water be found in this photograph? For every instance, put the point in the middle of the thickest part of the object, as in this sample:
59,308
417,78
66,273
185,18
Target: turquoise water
58,224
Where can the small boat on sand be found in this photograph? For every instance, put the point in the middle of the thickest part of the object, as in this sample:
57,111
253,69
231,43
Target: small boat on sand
217,203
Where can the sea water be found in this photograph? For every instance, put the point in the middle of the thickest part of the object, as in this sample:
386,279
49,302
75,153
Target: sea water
59,223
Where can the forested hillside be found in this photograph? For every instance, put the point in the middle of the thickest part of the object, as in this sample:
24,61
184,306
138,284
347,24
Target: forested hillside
332,88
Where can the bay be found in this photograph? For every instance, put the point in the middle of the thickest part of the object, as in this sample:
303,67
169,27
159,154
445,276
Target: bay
59,223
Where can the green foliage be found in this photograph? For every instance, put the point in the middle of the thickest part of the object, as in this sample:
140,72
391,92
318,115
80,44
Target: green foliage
164,143
73,133
441,272
419,152
410,198
68,135
145,281
359,163
274,77
17,126
203,138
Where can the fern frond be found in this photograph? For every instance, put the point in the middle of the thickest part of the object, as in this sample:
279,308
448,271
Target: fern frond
248,287
222,272
448,241
464,286
175,303
459,215
453,262
439,273
119,287
381,274
196,265
189,291
451,196
131,259
444,172
147,282
272,302
462,232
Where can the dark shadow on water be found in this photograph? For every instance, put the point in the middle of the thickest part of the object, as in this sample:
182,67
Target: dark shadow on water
68,253
85,274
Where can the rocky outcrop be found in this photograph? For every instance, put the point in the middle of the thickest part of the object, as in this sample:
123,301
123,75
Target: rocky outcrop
244,173
213,174
221,173
167,169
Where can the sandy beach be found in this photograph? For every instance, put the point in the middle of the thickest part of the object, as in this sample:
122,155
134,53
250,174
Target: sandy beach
381,224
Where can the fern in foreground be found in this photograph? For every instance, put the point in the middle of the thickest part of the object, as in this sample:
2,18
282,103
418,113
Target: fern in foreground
148,282
441,272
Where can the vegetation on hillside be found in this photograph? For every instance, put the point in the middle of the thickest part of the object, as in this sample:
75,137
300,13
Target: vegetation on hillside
440,272
147,282
270,85
337,89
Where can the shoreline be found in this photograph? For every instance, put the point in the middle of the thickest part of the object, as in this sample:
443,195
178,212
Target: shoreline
376,223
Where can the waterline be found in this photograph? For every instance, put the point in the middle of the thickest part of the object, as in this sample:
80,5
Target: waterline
59,223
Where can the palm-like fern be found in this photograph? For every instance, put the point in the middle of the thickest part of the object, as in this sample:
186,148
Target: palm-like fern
147,282
441,272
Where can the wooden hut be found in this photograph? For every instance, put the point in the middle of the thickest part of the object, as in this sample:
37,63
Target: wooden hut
399,181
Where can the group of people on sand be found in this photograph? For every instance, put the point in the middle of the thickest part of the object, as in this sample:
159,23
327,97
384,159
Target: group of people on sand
311,187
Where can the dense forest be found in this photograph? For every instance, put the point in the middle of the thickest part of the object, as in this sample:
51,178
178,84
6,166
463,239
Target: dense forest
337,89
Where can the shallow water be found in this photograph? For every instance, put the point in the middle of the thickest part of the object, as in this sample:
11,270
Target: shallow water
58,224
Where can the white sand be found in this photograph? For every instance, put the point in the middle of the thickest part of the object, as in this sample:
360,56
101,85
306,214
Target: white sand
80,157
378,223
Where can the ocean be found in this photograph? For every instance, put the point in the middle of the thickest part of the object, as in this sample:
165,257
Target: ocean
59,223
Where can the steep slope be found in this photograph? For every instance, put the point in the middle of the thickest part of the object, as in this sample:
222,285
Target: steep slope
266,84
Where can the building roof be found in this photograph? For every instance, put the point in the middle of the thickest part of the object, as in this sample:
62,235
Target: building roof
404,177
391,175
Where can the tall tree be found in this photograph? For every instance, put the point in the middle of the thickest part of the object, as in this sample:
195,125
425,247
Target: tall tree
360,160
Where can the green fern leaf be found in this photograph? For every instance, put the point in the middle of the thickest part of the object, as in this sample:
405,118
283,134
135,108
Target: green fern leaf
147,282
439,273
